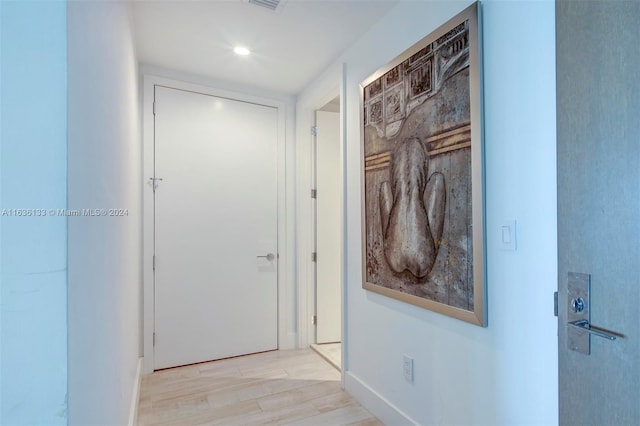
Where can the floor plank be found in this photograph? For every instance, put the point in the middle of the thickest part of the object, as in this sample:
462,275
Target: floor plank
295,387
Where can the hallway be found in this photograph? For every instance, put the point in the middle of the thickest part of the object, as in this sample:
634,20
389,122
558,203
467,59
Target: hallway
77,320
279,387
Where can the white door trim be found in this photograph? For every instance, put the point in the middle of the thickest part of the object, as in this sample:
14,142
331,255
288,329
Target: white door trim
285,263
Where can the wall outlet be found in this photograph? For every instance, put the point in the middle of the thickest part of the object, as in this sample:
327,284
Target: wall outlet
407,368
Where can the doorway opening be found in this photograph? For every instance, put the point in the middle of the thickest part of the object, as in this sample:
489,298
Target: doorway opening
326,212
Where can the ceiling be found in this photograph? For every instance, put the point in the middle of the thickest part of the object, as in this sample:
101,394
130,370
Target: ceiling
290,46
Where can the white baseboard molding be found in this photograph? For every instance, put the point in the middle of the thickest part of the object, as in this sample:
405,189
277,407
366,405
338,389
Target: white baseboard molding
380,407
135,396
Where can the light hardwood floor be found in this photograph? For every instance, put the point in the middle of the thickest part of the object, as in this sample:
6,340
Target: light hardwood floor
295,387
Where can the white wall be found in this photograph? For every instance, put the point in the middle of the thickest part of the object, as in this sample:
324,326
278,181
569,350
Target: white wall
105,163
505,373
33,360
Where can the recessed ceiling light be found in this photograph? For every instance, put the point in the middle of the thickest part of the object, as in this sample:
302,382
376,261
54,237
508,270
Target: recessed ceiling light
242,51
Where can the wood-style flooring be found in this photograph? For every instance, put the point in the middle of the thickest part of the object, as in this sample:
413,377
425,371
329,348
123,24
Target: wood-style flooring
294,387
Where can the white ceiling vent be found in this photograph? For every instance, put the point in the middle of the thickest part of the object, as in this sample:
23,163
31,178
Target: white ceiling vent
273,5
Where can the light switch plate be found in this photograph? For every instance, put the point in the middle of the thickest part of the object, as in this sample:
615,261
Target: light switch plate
507,235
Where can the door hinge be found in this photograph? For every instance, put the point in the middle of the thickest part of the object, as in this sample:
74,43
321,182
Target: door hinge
314,193
555,303
314,130
154,262
154,107
314,320
314,256
154,338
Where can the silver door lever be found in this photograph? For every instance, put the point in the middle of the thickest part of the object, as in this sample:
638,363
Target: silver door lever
579,327
268,256
584,325
154,182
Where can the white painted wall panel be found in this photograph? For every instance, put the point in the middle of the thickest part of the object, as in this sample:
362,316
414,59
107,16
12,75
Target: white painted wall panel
33,259
104,252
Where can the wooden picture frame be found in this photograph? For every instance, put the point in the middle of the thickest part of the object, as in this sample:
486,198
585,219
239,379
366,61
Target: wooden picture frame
423,174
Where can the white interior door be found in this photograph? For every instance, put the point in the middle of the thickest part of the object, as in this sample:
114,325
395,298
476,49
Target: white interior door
328,291
215,213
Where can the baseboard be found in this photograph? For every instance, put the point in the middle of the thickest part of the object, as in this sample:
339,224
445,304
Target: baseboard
135,396
384,410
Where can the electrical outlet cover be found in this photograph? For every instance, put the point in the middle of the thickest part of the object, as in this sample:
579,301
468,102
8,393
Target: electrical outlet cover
407,368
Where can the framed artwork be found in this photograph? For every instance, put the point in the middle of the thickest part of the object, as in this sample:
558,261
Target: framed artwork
422,207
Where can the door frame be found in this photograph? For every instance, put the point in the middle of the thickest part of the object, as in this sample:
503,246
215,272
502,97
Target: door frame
286,339
333,85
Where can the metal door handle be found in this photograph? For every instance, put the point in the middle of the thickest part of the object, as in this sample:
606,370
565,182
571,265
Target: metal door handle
154,182
579,327
268,256
584,325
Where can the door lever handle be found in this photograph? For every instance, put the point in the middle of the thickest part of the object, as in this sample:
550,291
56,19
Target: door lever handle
154,182
268,256
584,325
